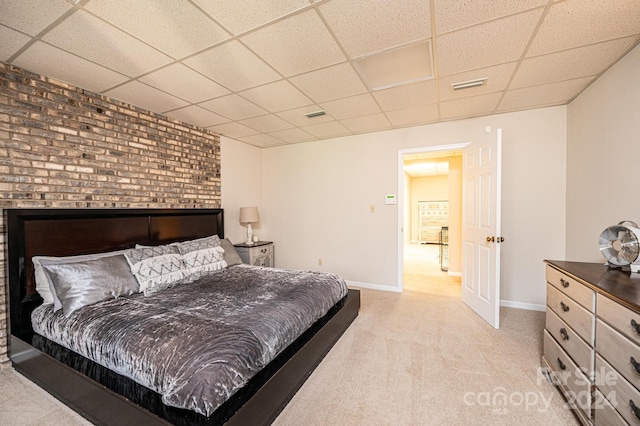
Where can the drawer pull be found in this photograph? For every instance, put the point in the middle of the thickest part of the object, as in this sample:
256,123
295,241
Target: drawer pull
564,307
635,365
564,282
636,326
634,409
564,334
561,365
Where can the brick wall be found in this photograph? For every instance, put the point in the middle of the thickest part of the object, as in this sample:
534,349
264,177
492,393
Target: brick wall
62,146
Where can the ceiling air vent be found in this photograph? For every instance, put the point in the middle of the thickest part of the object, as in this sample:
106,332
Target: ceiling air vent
469,84
315,114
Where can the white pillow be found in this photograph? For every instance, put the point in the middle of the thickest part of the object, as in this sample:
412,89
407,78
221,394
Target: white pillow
156,268
202,255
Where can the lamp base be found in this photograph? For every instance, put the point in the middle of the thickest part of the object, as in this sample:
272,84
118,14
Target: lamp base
249,241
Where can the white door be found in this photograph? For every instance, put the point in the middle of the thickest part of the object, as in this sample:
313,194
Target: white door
481,236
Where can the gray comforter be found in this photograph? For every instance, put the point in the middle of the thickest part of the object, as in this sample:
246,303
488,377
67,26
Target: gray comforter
197,343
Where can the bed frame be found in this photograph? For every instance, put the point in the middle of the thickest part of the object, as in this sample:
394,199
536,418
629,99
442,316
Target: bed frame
100,395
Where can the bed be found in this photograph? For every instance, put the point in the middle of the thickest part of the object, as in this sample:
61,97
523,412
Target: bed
105,392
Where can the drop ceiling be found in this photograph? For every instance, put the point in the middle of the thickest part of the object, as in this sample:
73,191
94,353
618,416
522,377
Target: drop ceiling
252,69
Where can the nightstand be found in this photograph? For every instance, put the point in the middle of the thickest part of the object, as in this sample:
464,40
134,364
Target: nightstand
257,254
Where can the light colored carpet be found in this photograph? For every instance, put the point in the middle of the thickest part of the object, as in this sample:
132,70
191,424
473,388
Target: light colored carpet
422,357
417,358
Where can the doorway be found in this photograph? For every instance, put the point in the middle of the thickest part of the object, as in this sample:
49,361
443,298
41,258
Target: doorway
431,182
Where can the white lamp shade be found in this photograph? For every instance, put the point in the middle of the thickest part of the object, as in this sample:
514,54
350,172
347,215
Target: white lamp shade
249,215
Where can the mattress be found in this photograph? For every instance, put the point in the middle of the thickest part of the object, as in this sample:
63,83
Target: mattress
196,344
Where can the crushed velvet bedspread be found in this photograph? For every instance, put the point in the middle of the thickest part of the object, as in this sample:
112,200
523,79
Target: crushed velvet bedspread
197,343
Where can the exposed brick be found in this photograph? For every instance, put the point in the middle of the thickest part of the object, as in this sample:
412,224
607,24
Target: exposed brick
66,147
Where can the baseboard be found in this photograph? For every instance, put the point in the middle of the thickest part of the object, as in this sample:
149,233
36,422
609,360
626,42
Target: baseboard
372,286
523,305
454,273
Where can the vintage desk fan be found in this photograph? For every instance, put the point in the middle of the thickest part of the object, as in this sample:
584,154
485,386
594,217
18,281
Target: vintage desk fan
619,244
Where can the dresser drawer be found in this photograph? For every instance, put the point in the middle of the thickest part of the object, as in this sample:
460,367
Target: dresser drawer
577,317
572,288
617,390
577,348
622,319
605,414
568,375
617,350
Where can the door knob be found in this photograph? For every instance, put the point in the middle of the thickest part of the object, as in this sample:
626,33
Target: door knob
490,239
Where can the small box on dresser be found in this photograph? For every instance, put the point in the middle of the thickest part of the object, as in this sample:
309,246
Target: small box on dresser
614,367
257,254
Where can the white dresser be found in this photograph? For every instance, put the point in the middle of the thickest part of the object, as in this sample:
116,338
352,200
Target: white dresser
592,340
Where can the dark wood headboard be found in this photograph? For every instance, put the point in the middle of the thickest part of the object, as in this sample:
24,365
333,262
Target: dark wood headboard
66,232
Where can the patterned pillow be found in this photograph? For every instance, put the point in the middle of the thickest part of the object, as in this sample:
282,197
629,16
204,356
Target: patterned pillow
156,268
202,255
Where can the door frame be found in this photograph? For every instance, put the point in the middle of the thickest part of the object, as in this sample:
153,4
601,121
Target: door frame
401,196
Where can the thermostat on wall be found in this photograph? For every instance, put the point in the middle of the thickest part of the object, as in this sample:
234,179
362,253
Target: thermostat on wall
390,199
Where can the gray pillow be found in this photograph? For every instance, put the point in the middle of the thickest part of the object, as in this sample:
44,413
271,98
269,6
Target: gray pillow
44,286
231,255
156,268
80,284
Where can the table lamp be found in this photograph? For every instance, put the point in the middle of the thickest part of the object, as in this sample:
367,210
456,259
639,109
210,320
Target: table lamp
249,215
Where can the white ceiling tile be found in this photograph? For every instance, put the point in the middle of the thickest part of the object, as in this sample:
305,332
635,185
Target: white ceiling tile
234,130
267,123
483,45
577,23
369,123
414,116
569,64
31,16
193,114
55,63
277,96
261,140
185,29
141,95
240,16
338,81
364,27
12,41
497,79
85,35
185,83
233,107
292,135
295,45
455,14
233,66
351,107
469,107
394,67
408,96
297,116
330,129
546,95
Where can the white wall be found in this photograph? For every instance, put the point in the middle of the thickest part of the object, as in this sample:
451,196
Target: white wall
426,188
603,150
316,198
241,183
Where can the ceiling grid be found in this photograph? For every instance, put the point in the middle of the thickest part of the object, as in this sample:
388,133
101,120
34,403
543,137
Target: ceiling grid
251,70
